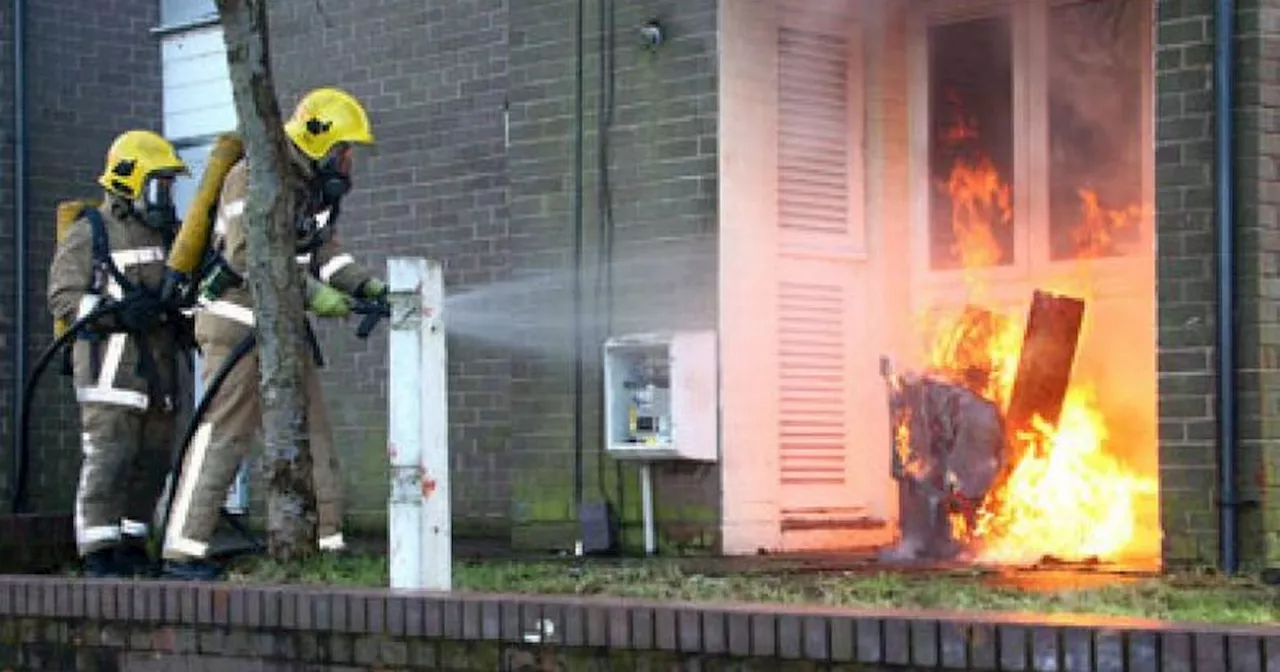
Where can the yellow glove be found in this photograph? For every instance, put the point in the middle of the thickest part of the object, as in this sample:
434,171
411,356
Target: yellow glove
329,302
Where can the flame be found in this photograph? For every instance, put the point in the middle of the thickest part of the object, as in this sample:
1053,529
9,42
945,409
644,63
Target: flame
980,203
1093,235
911,463
979,351
1066,497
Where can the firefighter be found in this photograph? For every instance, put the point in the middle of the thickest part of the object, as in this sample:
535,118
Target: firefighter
323,128
124,365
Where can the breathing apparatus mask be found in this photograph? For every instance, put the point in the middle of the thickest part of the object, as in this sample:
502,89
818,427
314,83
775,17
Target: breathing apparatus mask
333,175
330,182
156,203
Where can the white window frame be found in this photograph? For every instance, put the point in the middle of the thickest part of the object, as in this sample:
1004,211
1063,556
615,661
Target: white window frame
179,15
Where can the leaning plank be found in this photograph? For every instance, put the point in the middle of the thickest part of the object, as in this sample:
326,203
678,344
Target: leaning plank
1044,366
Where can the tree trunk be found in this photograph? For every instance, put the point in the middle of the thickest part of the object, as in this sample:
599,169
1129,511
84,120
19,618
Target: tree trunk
271,208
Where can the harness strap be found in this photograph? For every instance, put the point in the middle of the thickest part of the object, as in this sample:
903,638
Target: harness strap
314,236
102,253
105,265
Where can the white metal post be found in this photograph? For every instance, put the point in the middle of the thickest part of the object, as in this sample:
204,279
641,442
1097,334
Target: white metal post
646,504
420,525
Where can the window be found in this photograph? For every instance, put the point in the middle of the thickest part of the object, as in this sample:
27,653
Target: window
1036,116
971,152
1095,141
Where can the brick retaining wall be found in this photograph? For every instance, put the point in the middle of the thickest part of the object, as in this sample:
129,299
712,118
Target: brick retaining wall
62,624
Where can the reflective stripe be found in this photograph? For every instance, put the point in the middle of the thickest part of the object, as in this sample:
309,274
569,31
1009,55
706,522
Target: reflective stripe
111,362
303,259
229,311
123,259
174,542
225,213
333,542
142,255
105,391
93,535
133,528
87,303
187,547
113,396
334,265
87,449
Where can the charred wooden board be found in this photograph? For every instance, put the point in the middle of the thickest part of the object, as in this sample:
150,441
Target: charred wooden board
1044,366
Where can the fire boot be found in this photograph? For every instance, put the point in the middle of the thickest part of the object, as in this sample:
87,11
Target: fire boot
191,570
103,564
132,559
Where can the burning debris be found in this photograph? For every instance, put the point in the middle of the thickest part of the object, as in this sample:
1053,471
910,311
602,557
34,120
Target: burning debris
954,446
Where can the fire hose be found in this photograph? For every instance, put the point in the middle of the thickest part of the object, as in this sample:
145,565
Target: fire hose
373,312
18,479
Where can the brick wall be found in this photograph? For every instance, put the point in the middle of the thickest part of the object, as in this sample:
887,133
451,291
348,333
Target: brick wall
445,183
59,624
7,385
1186,281
433,76
1185,284
1257,226
93,72
662,179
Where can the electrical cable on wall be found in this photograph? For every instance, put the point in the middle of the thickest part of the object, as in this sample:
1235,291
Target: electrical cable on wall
579,111
604,241
18,465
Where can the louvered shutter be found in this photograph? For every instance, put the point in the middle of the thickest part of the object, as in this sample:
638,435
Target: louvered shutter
796,449
813,432
813,211
826,445
813,130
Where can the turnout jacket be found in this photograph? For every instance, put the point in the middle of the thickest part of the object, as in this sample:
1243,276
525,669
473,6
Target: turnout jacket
226,320
106,363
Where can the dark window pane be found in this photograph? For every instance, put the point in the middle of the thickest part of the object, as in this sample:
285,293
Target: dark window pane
1095,128
971,144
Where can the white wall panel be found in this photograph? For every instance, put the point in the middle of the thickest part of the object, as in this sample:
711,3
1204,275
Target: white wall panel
197,87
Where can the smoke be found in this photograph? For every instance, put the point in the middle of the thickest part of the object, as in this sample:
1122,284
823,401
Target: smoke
532,314
1095,98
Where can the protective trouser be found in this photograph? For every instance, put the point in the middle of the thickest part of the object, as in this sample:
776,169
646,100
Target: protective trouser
223,439
126,459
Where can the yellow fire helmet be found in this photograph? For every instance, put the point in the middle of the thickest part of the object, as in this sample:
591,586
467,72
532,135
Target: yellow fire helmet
325,117
133,158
